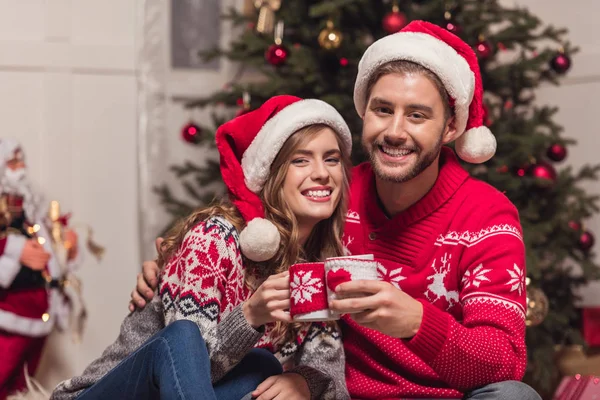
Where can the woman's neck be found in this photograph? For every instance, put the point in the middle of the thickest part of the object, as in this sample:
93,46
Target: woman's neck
304,232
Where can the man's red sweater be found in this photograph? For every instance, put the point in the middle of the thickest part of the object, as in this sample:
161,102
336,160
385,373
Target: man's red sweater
459,251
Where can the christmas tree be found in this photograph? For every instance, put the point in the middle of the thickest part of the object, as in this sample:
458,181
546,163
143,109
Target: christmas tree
312,48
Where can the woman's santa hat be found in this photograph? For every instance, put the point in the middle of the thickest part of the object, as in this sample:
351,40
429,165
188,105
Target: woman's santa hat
455,64
248,146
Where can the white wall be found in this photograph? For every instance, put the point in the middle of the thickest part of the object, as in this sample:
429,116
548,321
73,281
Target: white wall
68,93
577,96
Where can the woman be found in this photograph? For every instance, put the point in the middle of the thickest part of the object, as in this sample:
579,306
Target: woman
225,269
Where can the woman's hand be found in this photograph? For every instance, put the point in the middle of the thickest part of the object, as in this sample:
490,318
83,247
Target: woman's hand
269,302
290,386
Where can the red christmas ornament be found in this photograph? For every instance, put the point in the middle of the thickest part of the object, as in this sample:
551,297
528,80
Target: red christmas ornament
394,21
503,169
576,226
343,62
276,55
484,49
557,152
189,132
560,63
453,27
586,241
543,171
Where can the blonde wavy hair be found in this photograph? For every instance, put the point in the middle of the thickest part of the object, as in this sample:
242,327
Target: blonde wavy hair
324,241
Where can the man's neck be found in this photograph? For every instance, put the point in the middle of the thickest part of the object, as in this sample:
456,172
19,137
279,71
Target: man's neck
397,197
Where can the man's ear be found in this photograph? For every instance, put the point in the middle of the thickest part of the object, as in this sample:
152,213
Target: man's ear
450,132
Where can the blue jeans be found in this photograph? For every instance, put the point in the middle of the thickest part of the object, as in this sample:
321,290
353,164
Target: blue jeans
507,390
174,364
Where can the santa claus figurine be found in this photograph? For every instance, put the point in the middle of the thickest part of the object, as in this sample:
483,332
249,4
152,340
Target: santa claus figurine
35,287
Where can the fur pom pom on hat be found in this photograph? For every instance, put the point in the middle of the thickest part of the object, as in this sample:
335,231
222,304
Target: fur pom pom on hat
248,146
454,63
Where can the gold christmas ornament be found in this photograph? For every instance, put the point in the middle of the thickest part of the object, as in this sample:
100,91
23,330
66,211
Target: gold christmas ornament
537,306
266,14
330,38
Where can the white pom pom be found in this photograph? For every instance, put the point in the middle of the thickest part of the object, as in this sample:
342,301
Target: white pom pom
259,240
476,146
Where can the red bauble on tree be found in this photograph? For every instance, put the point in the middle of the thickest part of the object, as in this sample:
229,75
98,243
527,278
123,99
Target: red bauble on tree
190,132
575,225
586,241
484,48
557,152
394,21
450,23
276,55
560,63
453,27
543,171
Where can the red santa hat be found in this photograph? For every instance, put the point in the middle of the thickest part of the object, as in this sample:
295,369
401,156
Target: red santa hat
248,146
455,64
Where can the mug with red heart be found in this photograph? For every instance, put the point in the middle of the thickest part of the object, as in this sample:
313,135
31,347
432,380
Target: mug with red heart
349,268
308,294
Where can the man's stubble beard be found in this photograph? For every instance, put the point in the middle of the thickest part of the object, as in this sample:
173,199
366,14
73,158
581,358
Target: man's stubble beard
423,162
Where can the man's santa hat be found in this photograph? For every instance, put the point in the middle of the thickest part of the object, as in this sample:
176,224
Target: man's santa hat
248,146
455,64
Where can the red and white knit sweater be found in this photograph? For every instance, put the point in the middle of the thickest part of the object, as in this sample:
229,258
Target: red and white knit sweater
460,252
205,282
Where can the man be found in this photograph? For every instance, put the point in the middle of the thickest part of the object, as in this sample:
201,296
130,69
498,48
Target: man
448,318
28,270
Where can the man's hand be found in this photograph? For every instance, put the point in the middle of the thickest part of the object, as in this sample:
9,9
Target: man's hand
34,256
383,307
147,282
290,386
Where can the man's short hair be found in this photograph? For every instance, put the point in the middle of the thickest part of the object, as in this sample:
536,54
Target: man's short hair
404,67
